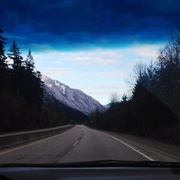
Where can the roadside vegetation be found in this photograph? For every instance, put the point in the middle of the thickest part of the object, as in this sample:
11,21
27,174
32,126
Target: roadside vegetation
153,110
24,104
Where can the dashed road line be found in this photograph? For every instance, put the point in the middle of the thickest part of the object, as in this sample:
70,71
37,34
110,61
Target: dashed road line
75,143
70,148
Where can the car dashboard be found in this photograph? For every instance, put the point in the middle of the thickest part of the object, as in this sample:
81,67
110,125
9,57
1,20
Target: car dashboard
89,173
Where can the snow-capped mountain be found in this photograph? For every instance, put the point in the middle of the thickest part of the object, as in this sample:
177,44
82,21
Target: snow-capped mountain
73,98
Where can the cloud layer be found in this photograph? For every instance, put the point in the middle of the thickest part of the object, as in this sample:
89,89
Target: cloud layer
69,24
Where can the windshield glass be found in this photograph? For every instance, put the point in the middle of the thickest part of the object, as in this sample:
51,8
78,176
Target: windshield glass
89,80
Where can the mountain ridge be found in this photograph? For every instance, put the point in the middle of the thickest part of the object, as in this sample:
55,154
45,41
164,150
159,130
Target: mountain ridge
71,97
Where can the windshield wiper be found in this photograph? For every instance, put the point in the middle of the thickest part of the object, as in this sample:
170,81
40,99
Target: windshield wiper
102,163
120,163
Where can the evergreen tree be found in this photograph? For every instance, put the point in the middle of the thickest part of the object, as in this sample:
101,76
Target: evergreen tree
3,58
15,55
34,85
29,63
33,90
40,89
3,64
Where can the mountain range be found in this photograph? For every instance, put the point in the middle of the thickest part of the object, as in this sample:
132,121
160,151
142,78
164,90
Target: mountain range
73,98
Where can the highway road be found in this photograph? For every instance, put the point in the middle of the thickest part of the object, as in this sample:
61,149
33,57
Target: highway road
78,144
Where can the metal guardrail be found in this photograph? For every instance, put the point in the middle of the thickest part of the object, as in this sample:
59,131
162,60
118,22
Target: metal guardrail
13,139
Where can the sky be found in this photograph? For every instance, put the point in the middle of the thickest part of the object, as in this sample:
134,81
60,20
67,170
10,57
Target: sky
91,45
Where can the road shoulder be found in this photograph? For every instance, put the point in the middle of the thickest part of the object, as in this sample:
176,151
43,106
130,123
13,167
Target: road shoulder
158,151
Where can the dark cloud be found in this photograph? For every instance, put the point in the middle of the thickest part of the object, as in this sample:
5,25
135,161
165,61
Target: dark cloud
98,22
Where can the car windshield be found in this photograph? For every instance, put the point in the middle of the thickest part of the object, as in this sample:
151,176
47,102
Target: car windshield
89,81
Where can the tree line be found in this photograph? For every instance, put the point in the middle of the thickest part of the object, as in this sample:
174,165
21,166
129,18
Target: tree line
24,103
153,110
21,89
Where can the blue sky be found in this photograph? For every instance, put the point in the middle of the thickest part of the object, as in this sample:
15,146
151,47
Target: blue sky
90,45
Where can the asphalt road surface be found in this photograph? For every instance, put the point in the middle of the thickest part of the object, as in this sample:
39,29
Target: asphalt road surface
78,144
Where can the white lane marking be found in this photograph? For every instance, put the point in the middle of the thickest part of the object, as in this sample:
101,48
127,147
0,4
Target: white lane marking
75,143
79,139
130,147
